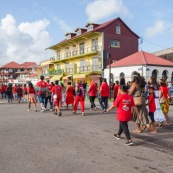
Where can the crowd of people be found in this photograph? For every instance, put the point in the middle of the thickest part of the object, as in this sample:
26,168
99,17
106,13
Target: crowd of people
138,101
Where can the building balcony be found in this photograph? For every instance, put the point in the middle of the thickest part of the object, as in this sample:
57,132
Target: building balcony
54,72
76,54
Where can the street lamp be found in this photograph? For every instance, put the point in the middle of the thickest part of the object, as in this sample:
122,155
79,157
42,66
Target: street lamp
110,61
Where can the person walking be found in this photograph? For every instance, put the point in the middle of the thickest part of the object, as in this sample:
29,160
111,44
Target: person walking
92,91
31,97
9,93
56,94
69,95
164,100
80,97
152,109
124,104
19,93
116,88
48,97
41,88
104,93
137,91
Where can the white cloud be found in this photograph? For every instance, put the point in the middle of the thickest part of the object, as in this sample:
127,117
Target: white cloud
25,42
100,9
155,30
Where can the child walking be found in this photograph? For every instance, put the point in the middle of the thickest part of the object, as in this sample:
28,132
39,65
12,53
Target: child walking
152,109
124,104
31,97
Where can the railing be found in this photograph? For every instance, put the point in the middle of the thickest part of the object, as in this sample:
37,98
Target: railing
55,72
89,68
74,53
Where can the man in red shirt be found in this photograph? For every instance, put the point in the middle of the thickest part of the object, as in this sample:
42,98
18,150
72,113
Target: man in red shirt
2,89
116,88
49,96
104,93
56,94
124,103
41,88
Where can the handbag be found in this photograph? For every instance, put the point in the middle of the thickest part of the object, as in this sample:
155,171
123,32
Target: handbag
138,100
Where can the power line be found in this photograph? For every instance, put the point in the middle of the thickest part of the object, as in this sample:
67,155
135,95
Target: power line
153,43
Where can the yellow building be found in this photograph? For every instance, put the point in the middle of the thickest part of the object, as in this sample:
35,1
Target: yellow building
83,54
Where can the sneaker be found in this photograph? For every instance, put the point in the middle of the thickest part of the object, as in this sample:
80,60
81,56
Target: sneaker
42,110
83,113
60,113
104,111
51,110
28,110
95,108
129,143
74,112
117,136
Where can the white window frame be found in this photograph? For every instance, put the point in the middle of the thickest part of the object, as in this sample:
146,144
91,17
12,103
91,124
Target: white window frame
118,29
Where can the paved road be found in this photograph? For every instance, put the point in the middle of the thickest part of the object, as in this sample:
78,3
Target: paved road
34,142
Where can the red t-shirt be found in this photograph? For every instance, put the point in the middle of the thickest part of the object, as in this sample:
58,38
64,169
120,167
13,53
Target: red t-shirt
93,90
56,90
104,89
165,91
116,88
152,105
31,91
49,86
124,103
42,87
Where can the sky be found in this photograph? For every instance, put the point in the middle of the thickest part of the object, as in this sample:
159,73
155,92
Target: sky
28,27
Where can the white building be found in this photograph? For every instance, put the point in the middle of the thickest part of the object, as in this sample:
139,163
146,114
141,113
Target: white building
142,62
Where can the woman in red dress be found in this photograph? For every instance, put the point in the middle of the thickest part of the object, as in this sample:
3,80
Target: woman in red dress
69,94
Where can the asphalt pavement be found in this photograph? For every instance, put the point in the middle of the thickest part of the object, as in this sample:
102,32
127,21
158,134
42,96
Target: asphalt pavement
35,142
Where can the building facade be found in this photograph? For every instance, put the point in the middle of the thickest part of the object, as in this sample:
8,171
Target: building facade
144,63
84,54
13,72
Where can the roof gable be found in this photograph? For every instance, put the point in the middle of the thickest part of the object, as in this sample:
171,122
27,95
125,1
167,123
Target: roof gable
11,64
142,58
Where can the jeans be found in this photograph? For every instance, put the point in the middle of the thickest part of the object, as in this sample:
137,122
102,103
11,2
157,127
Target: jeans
92,99
123,126
104,102
10,97
48,98
41,98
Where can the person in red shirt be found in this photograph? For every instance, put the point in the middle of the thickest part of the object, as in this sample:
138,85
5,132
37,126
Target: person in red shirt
80,97
31,96
2,89
164,100
124,104
152,109
41,88
92,91
56,94
69,94
104,94
49,96
116,88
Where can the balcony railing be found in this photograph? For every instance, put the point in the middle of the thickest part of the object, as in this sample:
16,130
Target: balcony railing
74,53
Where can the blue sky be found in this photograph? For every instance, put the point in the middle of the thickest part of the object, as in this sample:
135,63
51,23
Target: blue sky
29,26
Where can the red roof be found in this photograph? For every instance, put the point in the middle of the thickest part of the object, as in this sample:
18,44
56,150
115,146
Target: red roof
11,65
101,26
142,58
28,64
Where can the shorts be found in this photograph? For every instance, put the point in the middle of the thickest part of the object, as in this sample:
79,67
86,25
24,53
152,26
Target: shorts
56,102
151,115
41,98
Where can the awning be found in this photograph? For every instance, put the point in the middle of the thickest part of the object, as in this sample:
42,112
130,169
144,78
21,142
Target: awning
56,77
66,77
79,76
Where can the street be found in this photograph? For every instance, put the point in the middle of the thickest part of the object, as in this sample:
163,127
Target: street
34,142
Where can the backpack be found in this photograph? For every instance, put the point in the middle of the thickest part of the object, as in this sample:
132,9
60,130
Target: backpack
9,91
19,91
79,91
57,92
